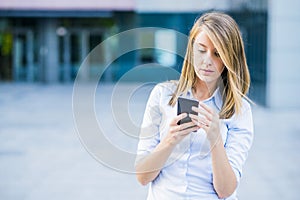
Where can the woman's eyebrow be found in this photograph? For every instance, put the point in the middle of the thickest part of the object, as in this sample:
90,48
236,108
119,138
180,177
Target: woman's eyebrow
202,44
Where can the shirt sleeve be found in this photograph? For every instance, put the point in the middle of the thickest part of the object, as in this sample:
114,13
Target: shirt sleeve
239,139
149,132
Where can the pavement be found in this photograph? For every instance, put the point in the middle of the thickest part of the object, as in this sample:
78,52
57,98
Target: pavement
42,155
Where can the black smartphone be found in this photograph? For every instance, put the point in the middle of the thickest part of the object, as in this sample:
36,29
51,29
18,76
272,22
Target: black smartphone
185,106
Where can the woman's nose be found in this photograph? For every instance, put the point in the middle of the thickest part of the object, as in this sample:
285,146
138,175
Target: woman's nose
207,60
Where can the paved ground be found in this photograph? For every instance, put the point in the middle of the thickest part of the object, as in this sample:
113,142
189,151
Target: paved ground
41,156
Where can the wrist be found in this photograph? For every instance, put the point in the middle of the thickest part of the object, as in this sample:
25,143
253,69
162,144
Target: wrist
166,144
216,143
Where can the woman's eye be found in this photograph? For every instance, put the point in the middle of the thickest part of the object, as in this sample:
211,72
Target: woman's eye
201,50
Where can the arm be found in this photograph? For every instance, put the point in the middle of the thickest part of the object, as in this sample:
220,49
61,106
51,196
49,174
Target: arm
149,167
224,179
226,161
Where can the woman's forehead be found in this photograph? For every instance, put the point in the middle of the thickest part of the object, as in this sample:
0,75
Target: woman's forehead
202,39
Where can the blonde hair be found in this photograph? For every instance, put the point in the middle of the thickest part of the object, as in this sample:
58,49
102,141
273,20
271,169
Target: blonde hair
224,33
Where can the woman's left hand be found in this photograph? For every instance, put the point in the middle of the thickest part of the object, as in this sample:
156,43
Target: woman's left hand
208,120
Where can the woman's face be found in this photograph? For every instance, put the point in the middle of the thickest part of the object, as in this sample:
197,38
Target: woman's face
207,62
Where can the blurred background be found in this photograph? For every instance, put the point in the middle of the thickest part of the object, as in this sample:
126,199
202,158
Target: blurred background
44,43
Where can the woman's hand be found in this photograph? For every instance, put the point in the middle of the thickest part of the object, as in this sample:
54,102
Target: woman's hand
178,132
224,179
149,168
208,120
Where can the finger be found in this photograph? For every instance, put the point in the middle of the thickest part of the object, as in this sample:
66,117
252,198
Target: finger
187,125
203,126
206,128
181,127
206,107
178,118
202,112
200,124
199,119
188,130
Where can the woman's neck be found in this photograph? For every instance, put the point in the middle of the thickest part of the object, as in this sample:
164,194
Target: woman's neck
202,90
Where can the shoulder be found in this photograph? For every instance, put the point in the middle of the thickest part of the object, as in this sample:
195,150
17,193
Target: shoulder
162,92
165,88
246,105
245,113
242,120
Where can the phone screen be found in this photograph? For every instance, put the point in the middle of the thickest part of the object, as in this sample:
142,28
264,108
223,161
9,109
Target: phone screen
185,106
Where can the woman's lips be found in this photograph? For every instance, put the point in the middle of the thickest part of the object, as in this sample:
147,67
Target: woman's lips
207,70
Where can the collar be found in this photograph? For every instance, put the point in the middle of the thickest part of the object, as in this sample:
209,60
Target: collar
216,97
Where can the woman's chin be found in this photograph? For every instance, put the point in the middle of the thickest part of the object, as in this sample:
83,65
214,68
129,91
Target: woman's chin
207,79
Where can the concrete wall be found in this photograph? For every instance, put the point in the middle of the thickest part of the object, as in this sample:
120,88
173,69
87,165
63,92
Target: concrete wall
198,5
67,5
283,72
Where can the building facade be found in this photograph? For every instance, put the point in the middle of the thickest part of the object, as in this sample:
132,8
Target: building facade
48,41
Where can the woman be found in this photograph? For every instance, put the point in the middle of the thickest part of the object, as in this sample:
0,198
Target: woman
201,159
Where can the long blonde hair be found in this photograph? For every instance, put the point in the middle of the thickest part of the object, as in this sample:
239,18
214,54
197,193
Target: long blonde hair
224,33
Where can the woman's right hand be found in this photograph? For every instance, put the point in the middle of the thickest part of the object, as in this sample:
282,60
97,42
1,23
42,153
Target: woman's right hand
149,168
177,132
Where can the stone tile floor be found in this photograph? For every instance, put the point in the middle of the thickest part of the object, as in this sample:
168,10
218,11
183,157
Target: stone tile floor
42,157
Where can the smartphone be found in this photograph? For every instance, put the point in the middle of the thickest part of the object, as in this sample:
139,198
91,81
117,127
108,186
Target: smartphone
185,106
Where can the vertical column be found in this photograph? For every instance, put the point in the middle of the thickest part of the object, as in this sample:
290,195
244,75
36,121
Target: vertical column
283,54
108,51
17,49
84,45
49,65
126,21
29,56
67,58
